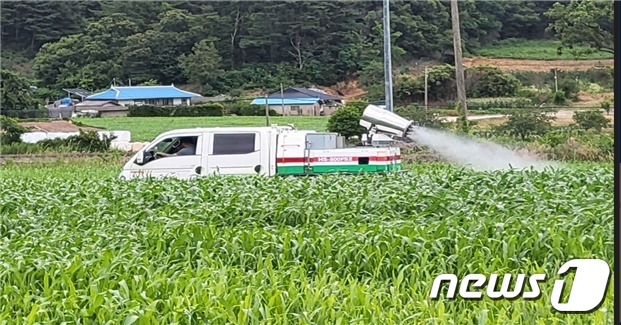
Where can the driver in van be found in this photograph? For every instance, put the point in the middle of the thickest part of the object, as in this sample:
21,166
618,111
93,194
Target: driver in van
187,149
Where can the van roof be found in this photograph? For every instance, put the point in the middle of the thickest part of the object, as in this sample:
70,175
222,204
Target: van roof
234,129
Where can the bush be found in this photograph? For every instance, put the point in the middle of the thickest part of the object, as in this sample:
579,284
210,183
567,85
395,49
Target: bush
421,117
525,124
491,82
195,110
481,82
578,145
606,106
10,130
604,77
25,114
560,98
591,120
346,122
570,87
86,141
256,110
496,104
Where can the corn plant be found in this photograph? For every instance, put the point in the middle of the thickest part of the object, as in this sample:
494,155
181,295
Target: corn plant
81,247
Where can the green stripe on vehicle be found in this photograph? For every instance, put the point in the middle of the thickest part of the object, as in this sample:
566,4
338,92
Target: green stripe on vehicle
336,168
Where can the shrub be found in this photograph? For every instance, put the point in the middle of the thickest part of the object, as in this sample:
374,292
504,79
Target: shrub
86,141
578,145
195,110
491,82
10,130
560,98
256,110
591,120
480,82
495,104
346,121
606,106
421,116
570,87
525,124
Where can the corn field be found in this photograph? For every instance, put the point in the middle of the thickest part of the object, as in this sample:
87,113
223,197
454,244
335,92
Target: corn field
81,247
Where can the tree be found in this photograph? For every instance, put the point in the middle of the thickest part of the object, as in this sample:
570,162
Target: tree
584,22
15,92
202,66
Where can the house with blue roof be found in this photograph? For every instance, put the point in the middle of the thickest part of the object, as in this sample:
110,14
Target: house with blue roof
145,95
301,101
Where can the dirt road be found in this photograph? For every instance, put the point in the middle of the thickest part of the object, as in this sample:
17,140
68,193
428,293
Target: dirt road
563,115
539,65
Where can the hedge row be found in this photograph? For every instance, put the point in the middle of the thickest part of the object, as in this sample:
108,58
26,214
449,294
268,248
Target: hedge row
199,110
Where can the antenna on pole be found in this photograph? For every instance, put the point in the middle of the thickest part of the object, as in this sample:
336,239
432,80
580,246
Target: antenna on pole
387,58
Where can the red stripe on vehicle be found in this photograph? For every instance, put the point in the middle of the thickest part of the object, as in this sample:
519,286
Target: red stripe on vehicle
333,159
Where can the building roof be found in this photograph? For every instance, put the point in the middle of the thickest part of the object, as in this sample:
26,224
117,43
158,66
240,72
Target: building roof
294,92
78,91
142,92
285,101
97,103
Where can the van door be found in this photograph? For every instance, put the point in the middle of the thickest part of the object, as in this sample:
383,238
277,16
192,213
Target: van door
178,156
236,153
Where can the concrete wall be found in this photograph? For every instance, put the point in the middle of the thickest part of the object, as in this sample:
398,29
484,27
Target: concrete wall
113,113
60,112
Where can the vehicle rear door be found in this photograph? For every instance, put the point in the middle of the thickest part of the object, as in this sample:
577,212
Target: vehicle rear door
236,153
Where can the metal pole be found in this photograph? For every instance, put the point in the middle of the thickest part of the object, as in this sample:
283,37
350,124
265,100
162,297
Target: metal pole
267,112
426,82
555,82
387,58
282,99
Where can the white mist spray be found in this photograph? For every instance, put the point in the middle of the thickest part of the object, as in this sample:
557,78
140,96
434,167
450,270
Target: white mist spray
479,155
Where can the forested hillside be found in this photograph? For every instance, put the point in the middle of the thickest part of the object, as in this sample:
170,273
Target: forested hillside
228,47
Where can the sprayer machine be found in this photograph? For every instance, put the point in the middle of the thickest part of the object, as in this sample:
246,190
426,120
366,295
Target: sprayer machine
271,150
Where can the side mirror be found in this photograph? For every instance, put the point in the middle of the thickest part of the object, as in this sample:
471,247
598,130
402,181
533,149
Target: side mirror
140,158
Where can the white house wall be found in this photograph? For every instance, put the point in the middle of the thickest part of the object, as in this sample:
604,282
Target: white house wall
126,102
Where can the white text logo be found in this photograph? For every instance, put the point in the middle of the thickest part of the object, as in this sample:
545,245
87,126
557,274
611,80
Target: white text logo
587,291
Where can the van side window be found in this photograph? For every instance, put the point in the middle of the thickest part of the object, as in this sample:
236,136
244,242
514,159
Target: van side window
172,147
233,144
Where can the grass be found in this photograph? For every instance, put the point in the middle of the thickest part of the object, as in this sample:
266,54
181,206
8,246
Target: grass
532,50
147,128
80,246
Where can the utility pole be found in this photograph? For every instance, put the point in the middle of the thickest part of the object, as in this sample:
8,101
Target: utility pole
387,58
267,112
426,85
459,64
555,81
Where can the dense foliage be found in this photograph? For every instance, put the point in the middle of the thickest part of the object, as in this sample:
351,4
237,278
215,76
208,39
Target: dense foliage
84,141
81,246
10,130
245,45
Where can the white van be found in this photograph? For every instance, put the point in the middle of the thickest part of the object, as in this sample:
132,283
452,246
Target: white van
267,151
